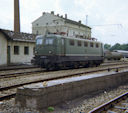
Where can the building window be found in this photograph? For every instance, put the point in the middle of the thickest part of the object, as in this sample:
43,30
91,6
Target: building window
71,42
97,45
86,44
16,50
26,50
91,44
79,43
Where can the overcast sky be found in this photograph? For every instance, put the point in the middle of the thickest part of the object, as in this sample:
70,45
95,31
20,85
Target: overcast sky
107,18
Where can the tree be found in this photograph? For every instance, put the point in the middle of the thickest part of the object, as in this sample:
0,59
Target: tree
107,46
117,46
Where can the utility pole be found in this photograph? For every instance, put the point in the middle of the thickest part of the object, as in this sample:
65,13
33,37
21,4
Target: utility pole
86,19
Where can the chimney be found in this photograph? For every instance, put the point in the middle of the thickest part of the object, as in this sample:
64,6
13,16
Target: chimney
16,16
66,16
80,21
52,12
43,13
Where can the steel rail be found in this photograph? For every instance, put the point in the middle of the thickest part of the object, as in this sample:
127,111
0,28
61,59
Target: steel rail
110,104
16,68
17,74
47,79
60,77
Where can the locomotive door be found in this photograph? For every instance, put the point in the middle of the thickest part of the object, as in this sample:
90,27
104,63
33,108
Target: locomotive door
62,47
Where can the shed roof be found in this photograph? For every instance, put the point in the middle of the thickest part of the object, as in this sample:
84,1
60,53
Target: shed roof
16,36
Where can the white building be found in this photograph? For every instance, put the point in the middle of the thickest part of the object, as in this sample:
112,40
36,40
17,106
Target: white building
49,22
16,47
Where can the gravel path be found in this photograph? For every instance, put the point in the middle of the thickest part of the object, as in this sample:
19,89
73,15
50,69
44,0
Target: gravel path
83,104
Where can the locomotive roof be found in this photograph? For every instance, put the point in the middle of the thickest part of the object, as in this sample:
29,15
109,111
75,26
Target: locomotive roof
60,36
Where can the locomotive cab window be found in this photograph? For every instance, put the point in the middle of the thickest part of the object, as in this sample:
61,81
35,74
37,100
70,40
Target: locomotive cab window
79,43
49,41
91,44
39,41
71,42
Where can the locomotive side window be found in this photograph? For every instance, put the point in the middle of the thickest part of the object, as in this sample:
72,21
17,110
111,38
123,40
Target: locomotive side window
71,42
39,41
49,41
79,43
97,45
91,44
62,41
86,44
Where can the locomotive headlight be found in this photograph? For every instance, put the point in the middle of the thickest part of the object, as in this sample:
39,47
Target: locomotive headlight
35,52
50,52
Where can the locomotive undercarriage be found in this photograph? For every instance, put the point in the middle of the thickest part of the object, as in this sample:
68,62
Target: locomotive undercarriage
64,62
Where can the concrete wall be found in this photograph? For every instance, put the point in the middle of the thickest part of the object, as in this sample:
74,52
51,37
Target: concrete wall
38,97
21,57
3,50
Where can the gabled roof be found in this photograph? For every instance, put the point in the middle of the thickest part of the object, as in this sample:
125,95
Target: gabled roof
16,36
66,20
75,22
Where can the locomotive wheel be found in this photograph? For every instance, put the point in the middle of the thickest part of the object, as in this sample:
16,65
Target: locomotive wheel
49,67
76,65
56,67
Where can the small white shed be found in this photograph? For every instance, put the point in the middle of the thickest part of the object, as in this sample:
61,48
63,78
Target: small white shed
16,47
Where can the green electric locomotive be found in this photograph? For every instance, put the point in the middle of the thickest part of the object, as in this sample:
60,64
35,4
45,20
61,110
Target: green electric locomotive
54,51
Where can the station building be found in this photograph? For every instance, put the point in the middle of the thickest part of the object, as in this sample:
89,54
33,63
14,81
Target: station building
16,47
49,22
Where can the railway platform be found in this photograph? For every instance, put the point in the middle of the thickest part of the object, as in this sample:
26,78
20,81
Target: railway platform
41,95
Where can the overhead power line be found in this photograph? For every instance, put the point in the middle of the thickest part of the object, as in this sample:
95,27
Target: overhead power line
107,25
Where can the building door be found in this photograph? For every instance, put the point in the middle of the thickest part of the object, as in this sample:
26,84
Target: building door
8,55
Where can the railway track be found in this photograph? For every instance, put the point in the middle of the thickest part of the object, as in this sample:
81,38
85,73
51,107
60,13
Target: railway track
18,74
16,67
116,105
38,70
113,63
13,93
31,66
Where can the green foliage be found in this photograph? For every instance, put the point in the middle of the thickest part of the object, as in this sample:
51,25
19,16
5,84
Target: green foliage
117,46
107,46
50,109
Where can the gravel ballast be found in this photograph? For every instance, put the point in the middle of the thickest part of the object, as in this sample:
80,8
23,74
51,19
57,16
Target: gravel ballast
83,104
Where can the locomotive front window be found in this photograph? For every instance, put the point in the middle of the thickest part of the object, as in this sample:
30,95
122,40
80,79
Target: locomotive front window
49,41
39,41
